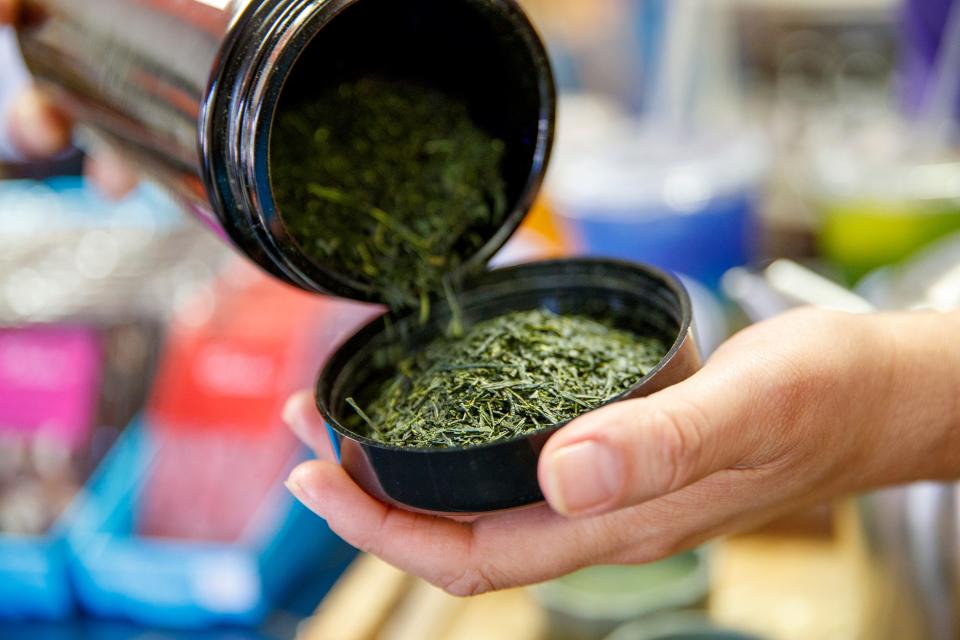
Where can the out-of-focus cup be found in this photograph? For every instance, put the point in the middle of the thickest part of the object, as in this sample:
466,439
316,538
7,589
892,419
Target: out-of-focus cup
684,202
589,604
881,201
677,627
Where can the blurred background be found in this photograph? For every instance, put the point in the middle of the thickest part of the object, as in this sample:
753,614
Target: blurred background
772,152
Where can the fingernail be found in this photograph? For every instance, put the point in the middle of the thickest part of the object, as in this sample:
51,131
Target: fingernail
584,477
290,412
293,418
295,489
296,486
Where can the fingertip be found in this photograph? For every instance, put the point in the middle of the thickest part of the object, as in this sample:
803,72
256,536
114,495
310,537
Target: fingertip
302,475
301,416
314,484
579,475
590,425
295,407
424,545
37,128
111,174
635,451
583,479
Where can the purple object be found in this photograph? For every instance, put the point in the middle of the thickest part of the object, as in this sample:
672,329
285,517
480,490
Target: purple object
922,26
49,379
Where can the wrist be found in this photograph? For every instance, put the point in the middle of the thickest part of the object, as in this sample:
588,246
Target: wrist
921,419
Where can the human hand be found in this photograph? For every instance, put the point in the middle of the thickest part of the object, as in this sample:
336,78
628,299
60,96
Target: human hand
40,130
804,408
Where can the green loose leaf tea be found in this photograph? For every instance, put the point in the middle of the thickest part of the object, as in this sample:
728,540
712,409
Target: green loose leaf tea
394,185
505,377
389,182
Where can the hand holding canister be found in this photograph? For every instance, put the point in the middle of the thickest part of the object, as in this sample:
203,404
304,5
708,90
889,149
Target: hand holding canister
804,408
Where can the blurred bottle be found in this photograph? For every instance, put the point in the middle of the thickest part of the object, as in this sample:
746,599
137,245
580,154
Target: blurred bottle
884,215
891,185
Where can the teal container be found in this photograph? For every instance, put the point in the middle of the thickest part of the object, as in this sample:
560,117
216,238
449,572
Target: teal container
677,627
591,603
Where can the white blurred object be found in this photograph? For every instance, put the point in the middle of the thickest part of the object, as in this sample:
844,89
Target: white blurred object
753,294
66,253
606,158
13,79
697,76
929,281
804,286
785,285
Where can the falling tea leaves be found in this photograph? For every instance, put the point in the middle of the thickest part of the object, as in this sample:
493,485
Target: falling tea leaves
394,185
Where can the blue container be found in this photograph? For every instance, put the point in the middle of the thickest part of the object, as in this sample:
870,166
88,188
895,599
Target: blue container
172,583
685,203
704,245
34,580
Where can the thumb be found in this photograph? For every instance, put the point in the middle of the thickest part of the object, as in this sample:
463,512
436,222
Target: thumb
637,450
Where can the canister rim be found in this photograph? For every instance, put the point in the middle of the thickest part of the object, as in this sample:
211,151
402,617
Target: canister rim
236,118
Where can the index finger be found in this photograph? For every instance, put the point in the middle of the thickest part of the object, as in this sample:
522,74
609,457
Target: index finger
301,415
495,552
8,11
528,546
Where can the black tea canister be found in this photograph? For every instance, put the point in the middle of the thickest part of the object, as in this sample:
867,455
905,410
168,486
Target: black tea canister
190,90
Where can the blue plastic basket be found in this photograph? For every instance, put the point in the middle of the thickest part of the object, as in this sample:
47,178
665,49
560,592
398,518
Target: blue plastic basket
33,577
172,583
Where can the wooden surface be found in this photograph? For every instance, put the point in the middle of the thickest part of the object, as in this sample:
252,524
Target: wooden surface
374,601
780,587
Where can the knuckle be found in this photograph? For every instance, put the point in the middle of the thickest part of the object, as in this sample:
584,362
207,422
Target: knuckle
652,549
662,548
368,543
790,393
471,581
679,437
371,541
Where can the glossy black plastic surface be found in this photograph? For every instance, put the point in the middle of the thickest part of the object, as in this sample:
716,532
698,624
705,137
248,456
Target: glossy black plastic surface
502,475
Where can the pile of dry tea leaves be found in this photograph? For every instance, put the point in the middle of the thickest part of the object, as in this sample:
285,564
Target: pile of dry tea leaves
506,377
389,182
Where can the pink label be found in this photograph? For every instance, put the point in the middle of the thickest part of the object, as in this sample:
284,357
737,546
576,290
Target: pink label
49,382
